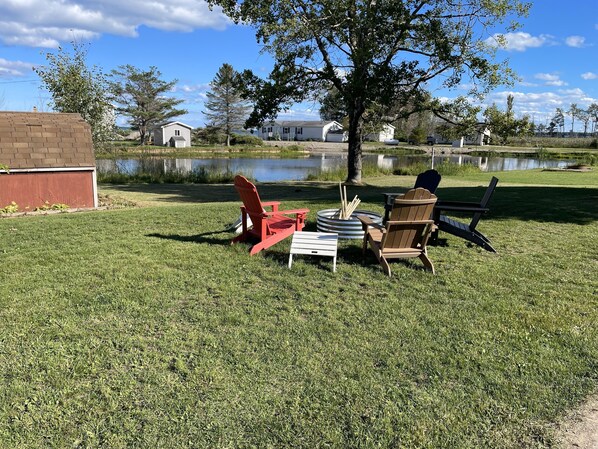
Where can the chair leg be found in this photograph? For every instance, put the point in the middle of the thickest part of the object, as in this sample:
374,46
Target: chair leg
364,248
427,262
385,266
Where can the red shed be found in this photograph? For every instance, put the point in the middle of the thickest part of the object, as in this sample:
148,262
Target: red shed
50,159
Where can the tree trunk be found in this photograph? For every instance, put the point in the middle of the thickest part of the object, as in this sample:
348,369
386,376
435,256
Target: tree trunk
228,140
354,160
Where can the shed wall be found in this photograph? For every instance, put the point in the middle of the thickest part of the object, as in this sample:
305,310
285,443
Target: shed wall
31,190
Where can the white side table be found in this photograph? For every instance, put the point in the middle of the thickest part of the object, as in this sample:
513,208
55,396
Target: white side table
314,244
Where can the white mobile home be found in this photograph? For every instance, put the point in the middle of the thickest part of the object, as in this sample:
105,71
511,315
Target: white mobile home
298,130
386,133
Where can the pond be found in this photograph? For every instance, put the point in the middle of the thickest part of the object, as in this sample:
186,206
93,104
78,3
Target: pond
297,169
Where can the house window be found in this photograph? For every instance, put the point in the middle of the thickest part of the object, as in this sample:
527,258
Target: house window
298,130
177,132
285,130
269,129
264,129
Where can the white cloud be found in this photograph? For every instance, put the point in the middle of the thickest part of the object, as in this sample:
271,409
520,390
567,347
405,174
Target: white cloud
550,79
11,69
575,41
541,105
46,23
518,41
204,87
299,113
589,76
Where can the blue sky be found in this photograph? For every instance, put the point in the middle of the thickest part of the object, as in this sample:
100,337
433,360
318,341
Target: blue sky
555,52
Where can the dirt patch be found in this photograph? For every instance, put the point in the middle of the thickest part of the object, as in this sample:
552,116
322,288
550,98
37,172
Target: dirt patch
580,429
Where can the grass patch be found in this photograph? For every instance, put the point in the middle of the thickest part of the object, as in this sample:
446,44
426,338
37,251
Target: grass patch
143,327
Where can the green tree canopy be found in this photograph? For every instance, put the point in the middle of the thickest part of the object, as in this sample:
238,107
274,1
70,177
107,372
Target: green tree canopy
75,87
141,97
226,109
382,52
503,124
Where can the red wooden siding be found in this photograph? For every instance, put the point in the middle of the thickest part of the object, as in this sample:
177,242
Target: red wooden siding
31,190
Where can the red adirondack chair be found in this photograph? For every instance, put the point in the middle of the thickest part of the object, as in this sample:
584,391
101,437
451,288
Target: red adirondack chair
268,227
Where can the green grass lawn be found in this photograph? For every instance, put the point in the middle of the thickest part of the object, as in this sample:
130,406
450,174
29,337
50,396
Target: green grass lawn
143,327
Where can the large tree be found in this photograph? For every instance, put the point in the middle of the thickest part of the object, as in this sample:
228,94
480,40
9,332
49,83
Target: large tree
141,96
379,52
76,87
226,109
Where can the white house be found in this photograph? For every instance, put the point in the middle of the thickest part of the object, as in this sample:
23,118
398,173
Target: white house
299,130
386,133
480,137
172,134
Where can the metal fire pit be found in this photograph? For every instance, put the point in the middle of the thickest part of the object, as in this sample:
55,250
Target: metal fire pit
346,229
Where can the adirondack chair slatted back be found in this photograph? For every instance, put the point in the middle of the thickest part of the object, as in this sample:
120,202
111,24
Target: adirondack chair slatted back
429,180
415,207
251,200
484,203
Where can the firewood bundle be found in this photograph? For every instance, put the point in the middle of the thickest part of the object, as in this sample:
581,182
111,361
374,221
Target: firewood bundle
347,209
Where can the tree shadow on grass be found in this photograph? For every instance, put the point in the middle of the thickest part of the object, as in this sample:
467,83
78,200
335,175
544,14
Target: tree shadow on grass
536,203
543,204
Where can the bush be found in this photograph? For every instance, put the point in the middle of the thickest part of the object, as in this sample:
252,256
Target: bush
417,136
246,139
445,168
553,142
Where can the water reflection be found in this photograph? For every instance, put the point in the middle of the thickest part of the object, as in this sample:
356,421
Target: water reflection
273,169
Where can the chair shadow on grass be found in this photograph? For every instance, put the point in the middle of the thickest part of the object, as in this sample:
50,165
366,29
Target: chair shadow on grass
204,237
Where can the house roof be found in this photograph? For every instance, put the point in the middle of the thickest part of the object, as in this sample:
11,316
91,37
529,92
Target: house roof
45,140
305,123
167,124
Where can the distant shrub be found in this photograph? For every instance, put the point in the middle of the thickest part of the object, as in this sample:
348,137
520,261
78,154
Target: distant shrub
417,136
552,142
445,168
201,175
292,148
340,173
246,139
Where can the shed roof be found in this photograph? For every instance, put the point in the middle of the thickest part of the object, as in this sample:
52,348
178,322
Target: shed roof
167,124
31,140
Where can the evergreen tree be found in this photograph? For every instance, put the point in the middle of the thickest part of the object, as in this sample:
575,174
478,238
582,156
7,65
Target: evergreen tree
226,109
141,97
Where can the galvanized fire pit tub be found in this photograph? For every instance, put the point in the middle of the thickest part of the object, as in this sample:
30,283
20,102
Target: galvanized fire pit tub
346,229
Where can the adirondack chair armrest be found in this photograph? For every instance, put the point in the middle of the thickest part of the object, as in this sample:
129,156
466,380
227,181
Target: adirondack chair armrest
367,222
273,204
459,206
409,222
287,212
389,196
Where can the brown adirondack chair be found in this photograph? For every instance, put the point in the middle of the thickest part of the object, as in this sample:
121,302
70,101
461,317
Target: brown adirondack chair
269,227
406,232
464,230
428,180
